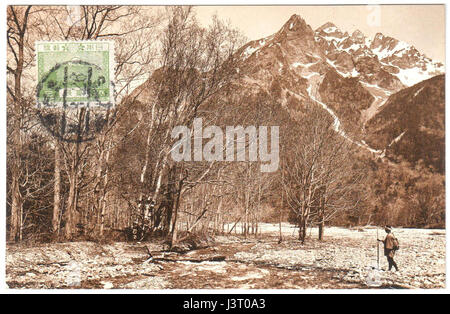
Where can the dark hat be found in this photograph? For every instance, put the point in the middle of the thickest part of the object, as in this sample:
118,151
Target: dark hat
387,227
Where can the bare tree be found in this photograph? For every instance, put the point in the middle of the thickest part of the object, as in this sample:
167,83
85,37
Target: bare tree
318,176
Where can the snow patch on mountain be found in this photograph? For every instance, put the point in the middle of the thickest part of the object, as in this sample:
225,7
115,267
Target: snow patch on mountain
248,52
369,86
330,29
398,138
384,52
334,39
251,49
417,93
308,76
353,73
304,65
412,76
312,90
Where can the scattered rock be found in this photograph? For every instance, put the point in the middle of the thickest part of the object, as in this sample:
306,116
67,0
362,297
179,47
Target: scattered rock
148,283
107,285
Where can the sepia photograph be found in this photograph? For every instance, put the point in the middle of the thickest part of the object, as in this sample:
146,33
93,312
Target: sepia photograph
218,147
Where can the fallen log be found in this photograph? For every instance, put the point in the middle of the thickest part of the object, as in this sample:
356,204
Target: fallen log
219,258
151,258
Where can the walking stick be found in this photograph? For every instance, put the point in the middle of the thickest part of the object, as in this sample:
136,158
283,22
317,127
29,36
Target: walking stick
378,252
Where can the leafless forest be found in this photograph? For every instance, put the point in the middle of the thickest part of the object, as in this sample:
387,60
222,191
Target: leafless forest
118,183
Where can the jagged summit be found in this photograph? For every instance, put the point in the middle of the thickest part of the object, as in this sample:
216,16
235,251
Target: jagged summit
295,18
327,25
358,33
296,24
382,40
296,33
294,37
330,29
378,36
358,37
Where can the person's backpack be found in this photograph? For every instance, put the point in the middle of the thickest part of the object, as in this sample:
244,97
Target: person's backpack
396,245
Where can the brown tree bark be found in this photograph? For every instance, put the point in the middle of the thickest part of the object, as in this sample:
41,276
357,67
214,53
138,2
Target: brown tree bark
321,229
175,216
321,217
57,190
71,205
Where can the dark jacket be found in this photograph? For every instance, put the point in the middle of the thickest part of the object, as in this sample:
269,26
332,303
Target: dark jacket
389,245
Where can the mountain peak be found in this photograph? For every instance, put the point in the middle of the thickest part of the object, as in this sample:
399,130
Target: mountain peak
295,23
381,37
295,18
357,33
295,26
385,42
358,37
328,27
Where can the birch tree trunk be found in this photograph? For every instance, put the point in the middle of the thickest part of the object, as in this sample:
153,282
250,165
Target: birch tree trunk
103,201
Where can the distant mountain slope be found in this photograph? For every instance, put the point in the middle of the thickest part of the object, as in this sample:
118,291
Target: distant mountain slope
411,124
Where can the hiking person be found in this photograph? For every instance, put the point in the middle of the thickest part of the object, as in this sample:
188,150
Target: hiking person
390,246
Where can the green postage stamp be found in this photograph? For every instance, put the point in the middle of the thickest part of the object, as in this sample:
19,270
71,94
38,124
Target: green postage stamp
74,74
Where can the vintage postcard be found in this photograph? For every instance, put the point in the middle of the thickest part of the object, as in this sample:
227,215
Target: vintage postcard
225,147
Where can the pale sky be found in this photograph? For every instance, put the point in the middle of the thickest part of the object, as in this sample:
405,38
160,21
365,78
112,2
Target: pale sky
423,26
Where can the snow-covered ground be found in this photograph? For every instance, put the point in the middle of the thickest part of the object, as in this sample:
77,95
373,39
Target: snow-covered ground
421,257
347,258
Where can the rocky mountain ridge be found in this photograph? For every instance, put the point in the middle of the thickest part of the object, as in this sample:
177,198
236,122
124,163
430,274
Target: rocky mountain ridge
349,75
